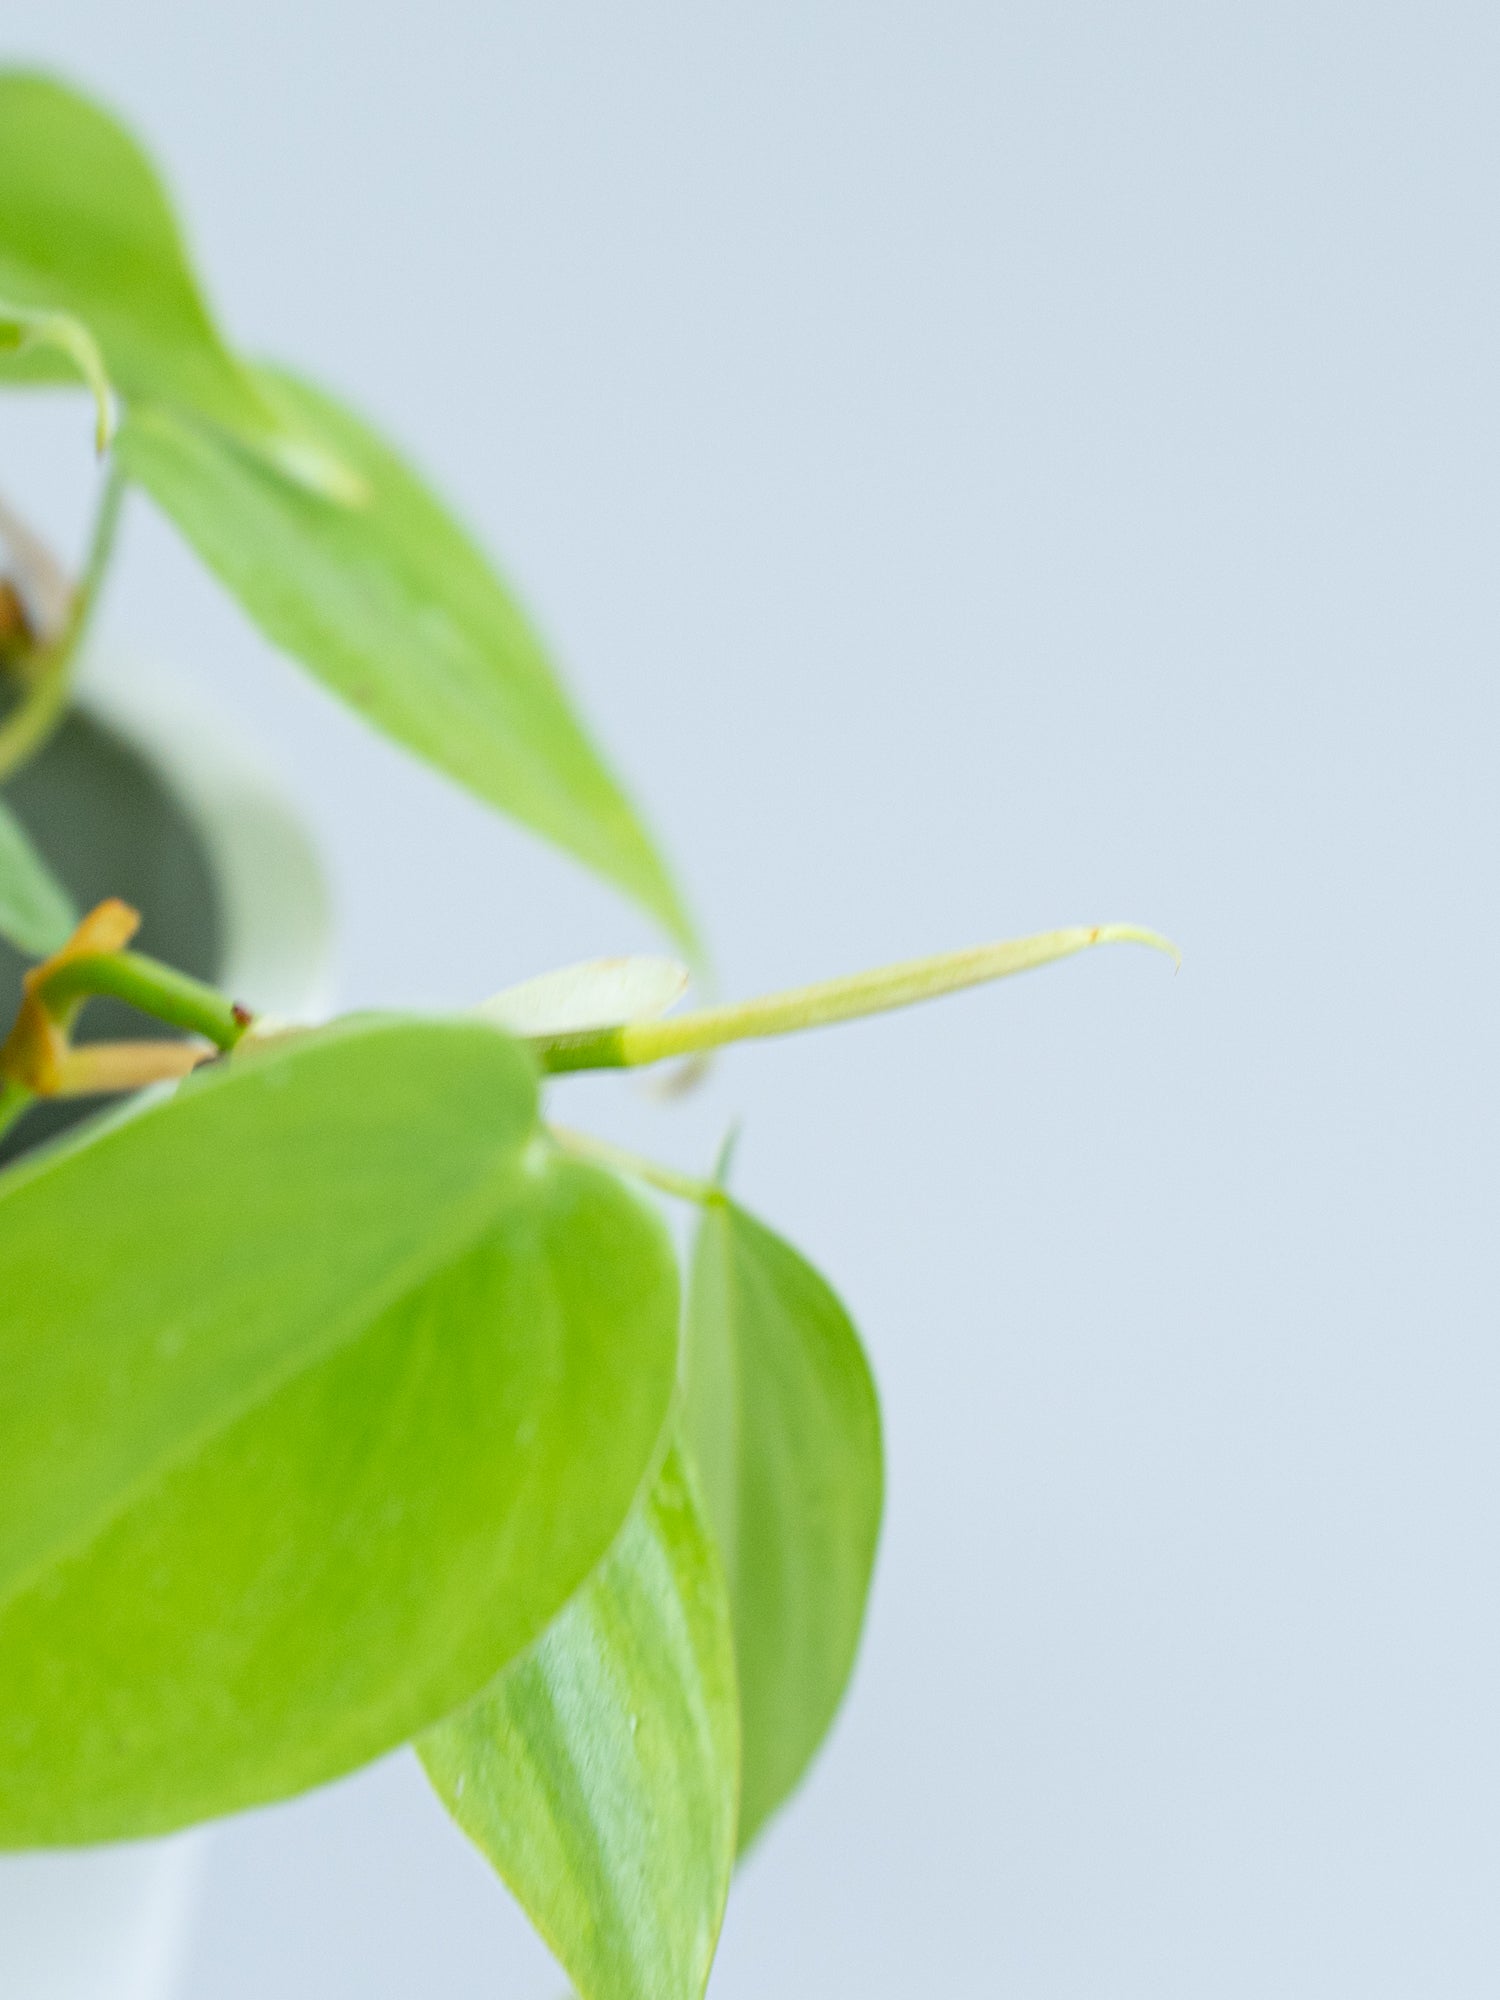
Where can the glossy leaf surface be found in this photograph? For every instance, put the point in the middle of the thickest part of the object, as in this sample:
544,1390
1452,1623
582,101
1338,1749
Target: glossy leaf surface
600,1773
36,912
326,1383
86,229
784,1428
390,603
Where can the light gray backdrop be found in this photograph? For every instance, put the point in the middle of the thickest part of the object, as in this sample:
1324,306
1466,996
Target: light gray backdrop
983,467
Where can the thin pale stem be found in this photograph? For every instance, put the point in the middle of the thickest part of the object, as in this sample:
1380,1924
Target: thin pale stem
98,1069
40,709
833,1000
584,1146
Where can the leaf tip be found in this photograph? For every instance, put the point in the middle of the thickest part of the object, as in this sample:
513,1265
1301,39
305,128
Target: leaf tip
1138,934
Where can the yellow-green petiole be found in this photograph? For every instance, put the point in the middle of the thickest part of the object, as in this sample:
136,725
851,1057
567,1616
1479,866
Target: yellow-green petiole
633,1043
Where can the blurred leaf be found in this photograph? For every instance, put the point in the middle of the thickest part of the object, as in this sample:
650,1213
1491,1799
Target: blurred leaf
86,229
600,993
36,912
67,339
784,1429
326,1384
600,1772
392,605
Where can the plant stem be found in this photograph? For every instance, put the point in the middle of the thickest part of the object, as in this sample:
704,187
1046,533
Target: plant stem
153,988
585,1147
832,1000
29,725
98,1069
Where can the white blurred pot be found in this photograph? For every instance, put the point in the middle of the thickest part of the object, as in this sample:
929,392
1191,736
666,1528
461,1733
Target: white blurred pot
277,923
111,1923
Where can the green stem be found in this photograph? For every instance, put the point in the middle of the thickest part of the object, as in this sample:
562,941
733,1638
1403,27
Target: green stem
151,987
637,1042
29,725
584,1146
14,1098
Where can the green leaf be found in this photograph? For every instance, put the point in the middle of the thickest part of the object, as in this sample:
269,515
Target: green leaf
392,605
327,1382
86,229
36,912
25,333
784,1428
600,1773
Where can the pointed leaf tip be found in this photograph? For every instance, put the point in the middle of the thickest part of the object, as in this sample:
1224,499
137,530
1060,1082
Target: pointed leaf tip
387,600
1137,934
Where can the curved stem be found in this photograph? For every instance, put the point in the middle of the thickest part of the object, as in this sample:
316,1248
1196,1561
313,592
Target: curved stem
146,984
27,728
637,1042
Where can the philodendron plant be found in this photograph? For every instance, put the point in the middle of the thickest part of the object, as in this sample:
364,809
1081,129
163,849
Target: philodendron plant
349,1401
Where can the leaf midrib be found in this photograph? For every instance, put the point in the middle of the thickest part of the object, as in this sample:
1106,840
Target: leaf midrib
406,1277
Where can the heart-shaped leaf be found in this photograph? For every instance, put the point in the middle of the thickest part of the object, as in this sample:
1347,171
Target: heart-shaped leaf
36,912
326,1383
391,604
600,1772
784,1428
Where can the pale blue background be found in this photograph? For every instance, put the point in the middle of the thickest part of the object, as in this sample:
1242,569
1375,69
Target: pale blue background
983,467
